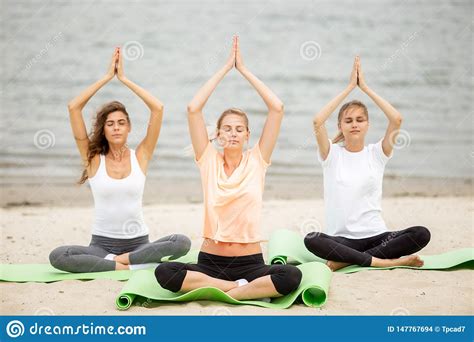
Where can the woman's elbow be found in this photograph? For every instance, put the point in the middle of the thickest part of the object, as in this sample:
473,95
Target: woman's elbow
192,109
398,120
158,108
279,108
282,107
317,122
71,106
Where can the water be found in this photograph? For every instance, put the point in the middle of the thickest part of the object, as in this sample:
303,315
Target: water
419,58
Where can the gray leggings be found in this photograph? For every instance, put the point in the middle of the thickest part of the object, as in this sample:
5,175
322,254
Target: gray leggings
81,259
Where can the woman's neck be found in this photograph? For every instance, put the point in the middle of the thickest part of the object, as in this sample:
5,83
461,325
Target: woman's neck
354,146
117,152
232,159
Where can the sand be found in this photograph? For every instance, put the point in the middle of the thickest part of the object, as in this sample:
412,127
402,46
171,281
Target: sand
29,232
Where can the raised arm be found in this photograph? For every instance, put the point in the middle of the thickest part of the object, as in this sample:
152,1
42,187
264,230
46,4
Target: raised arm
76,105
197,125
393,116
147,145
321,117
271,129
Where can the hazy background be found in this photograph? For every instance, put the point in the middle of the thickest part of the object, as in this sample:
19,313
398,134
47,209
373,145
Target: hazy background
417,55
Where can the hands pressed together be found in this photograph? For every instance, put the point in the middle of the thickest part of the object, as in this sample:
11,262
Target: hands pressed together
357,76
235,58
116,66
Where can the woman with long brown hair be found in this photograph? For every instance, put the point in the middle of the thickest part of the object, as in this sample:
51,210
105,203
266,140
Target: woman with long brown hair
353,175
232,182
116,175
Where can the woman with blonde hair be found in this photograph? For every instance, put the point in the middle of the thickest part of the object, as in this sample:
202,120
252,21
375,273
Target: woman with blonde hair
232,182
353,175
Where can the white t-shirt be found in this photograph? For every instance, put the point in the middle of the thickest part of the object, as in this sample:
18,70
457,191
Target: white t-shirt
353,191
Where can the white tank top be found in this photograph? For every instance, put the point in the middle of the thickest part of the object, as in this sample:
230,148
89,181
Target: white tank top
118,202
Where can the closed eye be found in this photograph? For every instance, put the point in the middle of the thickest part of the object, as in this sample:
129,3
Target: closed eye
239,129
120,122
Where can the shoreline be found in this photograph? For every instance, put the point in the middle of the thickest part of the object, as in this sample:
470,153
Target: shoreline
63,192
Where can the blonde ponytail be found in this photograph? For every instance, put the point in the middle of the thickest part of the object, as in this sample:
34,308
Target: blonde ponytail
338,138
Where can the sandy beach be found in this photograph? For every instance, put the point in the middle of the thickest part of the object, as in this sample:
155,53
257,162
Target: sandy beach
39,219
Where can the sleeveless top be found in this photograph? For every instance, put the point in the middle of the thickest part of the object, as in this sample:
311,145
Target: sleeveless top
118,202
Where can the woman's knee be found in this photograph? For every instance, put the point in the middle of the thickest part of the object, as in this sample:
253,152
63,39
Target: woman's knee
287,279
314,242
170,275
183,243
58,256
422,235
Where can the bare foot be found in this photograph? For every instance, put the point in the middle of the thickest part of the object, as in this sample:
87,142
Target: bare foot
123,258
411,260
335,265
119,266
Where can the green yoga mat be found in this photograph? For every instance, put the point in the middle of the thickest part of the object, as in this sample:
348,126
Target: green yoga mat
143,287
45,273
286,246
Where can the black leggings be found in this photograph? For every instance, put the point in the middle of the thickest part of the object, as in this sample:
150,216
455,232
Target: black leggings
285,278
389,245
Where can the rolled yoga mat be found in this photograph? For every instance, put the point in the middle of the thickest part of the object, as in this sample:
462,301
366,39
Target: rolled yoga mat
143,287
286,246
45,273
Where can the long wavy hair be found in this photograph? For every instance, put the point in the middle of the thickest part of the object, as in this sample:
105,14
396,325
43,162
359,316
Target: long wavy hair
98,144
354,103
